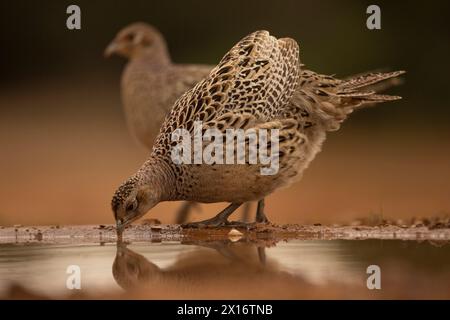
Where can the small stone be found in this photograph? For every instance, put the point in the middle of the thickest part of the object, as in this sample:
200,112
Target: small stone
235,232
356,223
438,225
150,222
156,228
38,236
235,235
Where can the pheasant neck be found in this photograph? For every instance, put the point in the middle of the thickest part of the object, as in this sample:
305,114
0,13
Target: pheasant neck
156,56
157,174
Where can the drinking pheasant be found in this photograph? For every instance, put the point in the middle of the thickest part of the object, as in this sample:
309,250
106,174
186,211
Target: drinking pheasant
151,83
259,84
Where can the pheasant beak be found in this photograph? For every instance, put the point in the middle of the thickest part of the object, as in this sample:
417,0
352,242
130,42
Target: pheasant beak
111,49
121,224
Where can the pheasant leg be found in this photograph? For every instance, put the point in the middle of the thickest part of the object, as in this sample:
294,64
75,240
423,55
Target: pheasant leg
221,219
246,211
260,215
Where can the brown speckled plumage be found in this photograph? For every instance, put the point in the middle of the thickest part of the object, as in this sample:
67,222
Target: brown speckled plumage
123,192
258,84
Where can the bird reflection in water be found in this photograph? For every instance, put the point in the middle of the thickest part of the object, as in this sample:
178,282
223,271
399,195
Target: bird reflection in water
210,262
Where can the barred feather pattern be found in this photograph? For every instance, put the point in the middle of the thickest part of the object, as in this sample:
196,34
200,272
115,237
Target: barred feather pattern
260,84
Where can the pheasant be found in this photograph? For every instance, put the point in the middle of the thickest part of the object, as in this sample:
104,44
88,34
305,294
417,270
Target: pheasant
259,84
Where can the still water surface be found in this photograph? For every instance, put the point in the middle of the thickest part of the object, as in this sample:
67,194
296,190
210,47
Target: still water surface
222,269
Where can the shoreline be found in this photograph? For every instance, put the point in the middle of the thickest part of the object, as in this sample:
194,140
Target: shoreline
266,233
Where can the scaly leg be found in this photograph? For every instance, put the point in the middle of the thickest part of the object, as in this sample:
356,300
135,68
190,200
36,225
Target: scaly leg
260,216
221,219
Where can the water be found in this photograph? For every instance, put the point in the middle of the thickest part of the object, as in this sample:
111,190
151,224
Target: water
226,269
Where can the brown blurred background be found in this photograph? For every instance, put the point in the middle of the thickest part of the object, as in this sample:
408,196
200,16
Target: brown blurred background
64,146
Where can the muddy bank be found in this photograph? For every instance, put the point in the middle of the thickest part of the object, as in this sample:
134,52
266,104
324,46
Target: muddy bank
254,232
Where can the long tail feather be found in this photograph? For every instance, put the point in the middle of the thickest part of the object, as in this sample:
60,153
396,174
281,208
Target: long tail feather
369,79
332,99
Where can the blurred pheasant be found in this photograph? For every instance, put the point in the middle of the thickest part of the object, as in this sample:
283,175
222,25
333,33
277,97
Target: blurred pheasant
151,83
258,84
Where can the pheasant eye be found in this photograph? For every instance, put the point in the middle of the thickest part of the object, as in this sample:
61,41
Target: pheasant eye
132,206
129,37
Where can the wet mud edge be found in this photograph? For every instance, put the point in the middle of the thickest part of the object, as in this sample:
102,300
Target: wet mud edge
254,233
